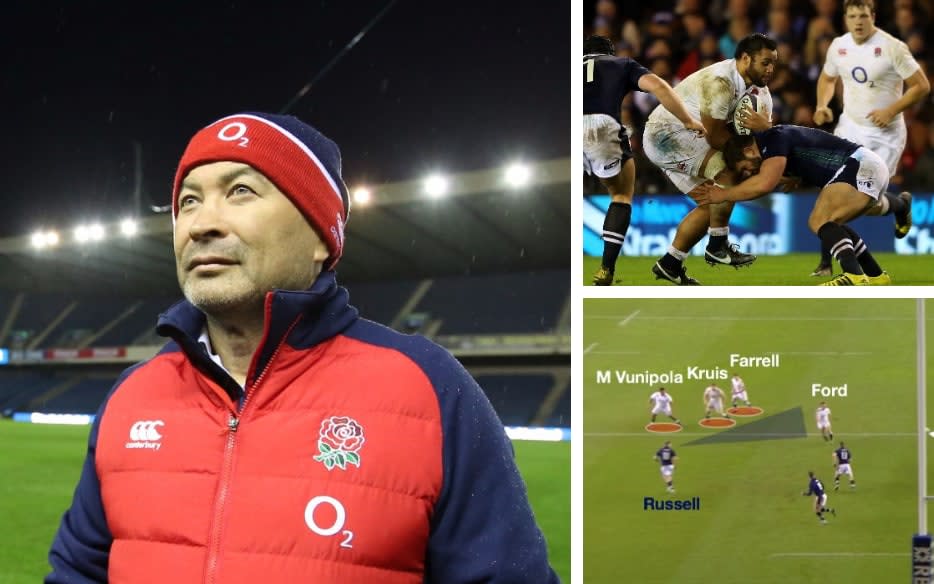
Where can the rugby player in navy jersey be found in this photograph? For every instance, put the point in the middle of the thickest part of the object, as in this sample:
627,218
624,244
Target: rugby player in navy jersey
851,179
607,153
816,488
666,456
842,458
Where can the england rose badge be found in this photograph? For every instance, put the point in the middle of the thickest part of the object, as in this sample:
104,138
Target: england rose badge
339,442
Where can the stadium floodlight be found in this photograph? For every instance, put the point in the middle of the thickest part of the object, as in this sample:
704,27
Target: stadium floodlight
517,175
43,239
38,239
436,186
96,232
128,227
362,196
82,234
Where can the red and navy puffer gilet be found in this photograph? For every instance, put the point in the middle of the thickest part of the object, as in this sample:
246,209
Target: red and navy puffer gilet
354,455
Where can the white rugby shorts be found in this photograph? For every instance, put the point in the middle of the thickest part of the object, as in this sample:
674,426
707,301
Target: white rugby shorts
888,143
603,151
662,410
680,153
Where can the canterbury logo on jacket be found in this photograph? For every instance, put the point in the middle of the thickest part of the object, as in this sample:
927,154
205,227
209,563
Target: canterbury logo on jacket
354,455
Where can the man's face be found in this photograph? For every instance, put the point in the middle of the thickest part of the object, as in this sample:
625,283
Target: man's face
859,22
762,67
749,165
237,237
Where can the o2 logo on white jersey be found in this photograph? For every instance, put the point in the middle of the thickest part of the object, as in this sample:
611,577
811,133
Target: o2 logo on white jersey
861,76
339,519
232,132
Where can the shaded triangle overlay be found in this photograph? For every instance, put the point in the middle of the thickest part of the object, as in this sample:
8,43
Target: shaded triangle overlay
787,424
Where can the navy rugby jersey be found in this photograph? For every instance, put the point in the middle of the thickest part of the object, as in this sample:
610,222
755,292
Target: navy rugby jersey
607,80
815,487
843,455
666,455
814,155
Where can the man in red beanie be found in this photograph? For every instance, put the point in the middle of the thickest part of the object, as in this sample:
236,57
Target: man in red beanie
278,437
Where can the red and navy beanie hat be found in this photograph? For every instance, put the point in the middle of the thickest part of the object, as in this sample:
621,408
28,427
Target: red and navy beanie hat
301,161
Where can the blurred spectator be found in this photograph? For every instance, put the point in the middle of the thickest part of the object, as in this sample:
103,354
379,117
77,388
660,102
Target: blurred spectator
827,9
624,49
916,44
779,25
804,115
818,28
706,53
603,27
658,47
739,27
645,101
798,21
814,69
905,23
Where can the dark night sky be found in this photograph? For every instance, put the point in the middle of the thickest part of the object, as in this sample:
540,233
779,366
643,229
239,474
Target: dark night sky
434,84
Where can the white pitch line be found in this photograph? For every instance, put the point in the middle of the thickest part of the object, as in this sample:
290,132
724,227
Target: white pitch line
763,318
841,555
758,435
626,320
827,353
590,348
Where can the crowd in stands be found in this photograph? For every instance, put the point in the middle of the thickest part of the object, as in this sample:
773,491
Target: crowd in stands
674,38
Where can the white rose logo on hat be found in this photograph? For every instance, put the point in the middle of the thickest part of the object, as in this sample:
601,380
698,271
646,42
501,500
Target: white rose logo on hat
339,442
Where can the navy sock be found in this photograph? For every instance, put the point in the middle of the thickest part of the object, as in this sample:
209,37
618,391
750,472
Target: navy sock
615,226
841,246
865,259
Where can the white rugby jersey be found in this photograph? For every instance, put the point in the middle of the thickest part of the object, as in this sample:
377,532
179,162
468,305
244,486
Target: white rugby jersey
823,414
661,399
712,392
738,385
872,72
712,91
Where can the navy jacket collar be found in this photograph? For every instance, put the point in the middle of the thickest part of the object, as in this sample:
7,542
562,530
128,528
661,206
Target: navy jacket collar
322,312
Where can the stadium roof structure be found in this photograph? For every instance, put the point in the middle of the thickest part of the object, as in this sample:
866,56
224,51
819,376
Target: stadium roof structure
481,225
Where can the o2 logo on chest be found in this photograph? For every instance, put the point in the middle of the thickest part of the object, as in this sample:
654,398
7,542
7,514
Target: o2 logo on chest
861,76
336,524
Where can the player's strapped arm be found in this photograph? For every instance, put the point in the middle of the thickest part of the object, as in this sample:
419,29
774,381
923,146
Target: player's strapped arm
670,100
826,85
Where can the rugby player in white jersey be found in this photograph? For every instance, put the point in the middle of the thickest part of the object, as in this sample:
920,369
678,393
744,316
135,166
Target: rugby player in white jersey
661,404
823,421
873,65
739,390
713,401
690,159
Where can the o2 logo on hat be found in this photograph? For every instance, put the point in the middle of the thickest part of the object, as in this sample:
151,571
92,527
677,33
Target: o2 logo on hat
340,515
239,129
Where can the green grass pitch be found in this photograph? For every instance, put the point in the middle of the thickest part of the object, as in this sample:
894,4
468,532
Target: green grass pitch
753,527
786,270
39,467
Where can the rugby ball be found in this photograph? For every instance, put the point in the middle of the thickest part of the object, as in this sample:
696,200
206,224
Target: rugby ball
747,102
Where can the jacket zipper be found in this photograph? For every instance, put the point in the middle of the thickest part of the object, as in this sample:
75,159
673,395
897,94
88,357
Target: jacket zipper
215,545
233,422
